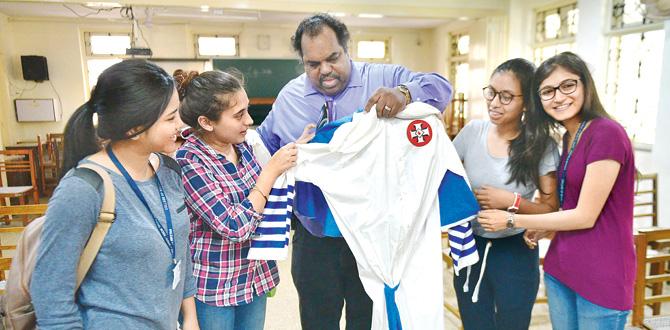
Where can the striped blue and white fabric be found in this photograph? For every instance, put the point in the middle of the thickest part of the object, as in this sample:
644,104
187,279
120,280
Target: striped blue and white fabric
270,239
462,247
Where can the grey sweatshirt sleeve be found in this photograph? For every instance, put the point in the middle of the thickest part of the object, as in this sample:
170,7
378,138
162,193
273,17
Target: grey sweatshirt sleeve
71,216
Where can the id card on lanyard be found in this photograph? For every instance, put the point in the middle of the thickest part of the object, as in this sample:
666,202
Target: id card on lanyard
563,174
166,235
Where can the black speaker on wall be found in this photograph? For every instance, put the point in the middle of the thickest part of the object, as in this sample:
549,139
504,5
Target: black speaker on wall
34,67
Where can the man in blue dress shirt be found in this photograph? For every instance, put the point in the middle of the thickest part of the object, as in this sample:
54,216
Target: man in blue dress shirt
333,86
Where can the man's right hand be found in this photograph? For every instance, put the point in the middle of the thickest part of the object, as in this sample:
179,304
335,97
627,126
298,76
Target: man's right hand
307,134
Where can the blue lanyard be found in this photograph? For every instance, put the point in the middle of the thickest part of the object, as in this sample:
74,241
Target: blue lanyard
562,175
168,237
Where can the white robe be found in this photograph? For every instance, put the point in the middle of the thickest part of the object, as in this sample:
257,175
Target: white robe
380,178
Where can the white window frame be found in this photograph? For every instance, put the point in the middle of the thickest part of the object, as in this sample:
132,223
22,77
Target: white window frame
643,27
456,58
387,51
87,41
88,55
197,47
566,39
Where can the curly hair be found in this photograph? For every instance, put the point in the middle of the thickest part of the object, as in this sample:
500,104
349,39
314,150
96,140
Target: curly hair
182,79
313,26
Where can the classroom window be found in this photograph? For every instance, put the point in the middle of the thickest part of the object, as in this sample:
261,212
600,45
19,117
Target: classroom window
371,49
461,74
633,77
458,61
460,44
627,13
217,45
542,53
555,30
96,66
107,44
556,23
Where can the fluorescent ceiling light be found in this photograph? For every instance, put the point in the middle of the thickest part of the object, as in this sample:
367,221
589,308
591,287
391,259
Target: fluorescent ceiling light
103,5
204,8
367,15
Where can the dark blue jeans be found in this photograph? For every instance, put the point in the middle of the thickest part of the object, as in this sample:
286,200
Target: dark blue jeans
325,276
508,288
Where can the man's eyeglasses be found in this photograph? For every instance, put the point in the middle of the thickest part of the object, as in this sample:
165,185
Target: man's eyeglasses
504,97
566,87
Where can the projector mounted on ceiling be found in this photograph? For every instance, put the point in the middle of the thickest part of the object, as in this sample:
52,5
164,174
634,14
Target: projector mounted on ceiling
135,33
135,51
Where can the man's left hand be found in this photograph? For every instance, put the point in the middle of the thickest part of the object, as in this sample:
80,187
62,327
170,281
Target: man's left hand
389,102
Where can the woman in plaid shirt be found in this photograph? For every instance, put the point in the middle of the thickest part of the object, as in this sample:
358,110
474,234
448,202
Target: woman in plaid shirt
226,192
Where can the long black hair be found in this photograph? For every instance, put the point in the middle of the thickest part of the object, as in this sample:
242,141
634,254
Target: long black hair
209,94
131,94
527,149
592,108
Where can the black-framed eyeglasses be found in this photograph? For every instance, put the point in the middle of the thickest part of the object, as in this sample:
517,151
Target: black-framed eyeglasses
504,97
566,87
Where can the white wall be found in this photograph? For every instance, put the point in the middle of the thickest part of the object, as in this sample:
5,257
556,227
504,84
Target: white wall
62,42
660,151
5,50
591,42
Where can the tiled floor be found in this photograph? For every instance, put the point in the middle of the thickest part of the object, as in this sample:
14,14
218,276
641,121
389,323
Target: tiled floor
282,309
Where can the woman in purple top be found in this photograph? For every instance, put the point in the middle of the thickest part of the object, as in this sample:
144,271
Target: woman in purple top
590,266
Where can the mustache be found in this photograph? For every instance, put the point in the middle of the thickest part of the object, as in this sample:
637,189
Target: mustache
330,75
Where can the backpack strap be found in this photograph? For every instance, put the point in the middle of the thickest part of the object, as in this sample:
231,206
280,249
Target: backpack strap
170,163
105,219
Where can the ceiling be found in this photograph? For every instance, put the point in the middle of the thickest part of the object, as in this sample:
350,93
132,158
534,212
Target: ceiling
395,13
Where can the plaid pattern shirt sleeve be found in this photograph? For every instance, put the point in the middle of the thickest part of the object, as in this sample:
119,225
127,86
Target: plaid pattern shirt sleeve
219,199
222,223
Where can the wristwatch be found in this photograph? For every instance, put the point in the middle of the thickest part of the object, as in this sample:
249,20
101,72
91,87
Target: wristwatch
513,209
510,220
405,91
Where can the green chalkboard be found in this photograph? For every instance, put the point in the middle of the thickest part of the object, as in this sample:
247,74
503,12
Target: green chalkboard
263,79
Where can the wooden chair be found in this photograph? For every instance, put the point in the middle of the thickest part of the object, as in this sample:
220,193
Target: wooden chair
6,260
49,169
31,211
18,162
454,115
646,200
35,210
648,276
57,143
645,215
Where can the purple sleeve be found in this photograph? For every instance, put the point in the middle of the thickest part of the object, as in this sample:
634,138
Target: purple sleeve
608,141
429,88
270,140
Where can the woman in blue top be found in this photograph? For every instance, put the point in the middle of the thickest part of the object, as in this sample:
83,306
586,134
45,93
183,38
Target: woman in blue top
142,275
507,159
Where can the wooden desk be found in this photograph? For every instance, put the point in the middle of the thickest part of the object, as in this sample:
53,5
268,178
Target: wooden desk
23,179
